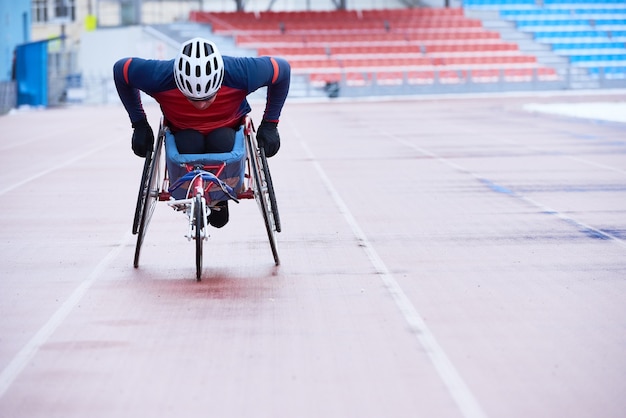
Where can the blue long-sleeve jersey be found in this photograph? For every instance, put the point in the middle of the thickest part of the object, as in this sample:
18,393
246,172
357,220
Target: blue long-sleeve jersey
242,76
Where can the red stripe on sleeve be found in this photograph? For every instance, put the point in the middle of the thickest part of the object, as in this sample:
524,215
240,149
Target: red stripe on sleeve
276,70
126,65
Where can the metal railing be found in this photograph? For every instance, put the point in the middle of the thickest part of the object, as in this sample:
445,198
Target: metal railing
8,96
100,88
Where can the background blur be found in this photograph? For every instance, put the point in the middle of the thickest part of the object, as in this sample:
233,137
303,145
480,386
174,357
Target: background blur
56,52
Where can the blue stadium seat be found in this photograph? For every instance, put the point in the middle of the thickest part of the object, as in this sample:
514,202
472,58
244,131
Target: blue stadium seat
590,33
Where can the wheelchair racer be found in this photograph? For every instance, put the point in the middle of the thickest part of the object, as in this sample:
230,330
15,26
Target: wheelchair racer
202,95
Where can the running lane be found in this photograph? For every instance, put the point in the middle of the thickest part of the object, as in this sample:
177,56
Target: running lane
442,258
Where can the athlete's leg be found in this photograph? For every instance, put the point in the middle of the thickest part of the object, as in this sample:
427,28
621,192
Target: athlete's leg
220,140
219,214
189,141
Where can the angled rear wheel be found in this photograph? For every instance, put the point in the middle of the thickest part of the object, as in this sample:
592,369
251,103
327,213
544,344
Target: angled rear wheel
142,193
149,194
262,194
270,189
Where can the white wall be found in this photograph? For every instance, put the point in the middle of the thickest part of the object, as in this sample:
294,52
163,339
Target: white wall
100,49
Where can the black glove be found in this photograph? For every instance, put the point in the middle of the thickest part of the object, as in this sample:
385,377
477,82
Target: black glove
268,138
143,138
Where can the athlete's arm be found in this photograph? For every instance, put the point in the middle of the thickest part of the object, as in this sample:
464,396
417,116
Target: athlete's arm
134,74
253,73
278,89
129,94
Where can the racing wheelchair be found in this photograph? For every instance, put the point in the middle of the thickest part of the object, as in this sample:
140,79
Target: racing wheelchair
194,183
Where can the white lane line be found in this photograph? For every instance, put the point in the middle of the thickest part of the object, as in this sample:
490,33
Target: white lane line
543,208
595,164
551,151
48,136
50,170
28,352
543,150
465,400
580,225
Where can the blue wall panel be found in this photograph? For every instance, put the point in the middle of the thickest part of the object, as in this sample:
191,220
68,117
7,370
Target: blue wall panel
31,72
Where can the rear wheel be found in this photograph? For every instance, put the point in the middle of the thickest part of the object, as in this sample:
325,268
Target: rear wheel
150,195
270,189
142,192
199,224
261,194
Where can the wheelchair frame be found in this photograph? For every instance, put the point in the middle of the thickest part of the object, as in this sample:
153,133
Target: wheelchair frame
155,184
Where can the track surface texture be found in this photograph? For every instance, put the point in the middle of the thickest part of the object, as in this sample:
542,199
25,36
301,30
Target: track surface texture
441,257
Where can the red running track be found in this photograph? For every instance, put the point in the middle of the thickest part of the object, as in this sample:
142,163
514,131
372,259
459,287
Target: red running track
453,257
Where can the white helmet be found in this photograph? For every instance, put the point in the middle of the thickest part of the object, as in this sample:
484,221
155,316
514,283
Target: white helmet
199,69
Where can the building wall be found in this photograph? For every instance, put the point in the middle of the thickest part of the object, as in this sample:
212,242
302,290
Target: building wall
15,18
112,13
72,29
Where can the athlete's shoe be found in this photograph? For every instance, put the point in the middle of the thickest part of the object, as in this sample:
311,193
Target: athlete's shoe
219,214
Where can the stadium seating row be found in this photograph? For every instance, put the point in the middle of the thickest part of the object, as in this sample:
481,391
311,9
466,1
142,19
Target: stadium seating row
577,35
255,40
337,21
430,77
303,65
334,27
327,15
518,4
588,13
406,49
331,14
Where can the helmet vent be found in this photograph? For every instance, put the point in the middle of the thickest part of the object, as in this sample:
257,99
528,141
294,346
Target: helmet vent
187,50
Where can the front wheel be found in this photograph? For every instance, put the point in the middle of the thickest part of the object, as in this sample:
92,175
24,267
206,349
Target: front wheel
199,225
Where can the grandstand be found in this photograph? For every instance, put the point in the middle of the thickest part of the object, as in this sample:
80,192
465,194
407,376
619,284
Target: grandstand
480,46
386,51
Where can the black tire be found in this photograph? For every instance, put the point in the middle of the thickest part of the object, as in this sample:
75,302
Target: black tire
142,193
199,223
150,196
261,195
270,190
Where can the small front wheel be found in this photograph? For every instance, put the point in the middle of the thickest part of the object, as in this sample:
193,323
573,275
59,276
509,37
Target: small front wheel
199,225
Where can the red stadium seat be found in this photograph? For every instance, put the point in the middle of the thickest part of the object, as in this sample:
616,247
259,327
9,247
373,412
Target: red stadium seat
358,79
421,77
386,78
